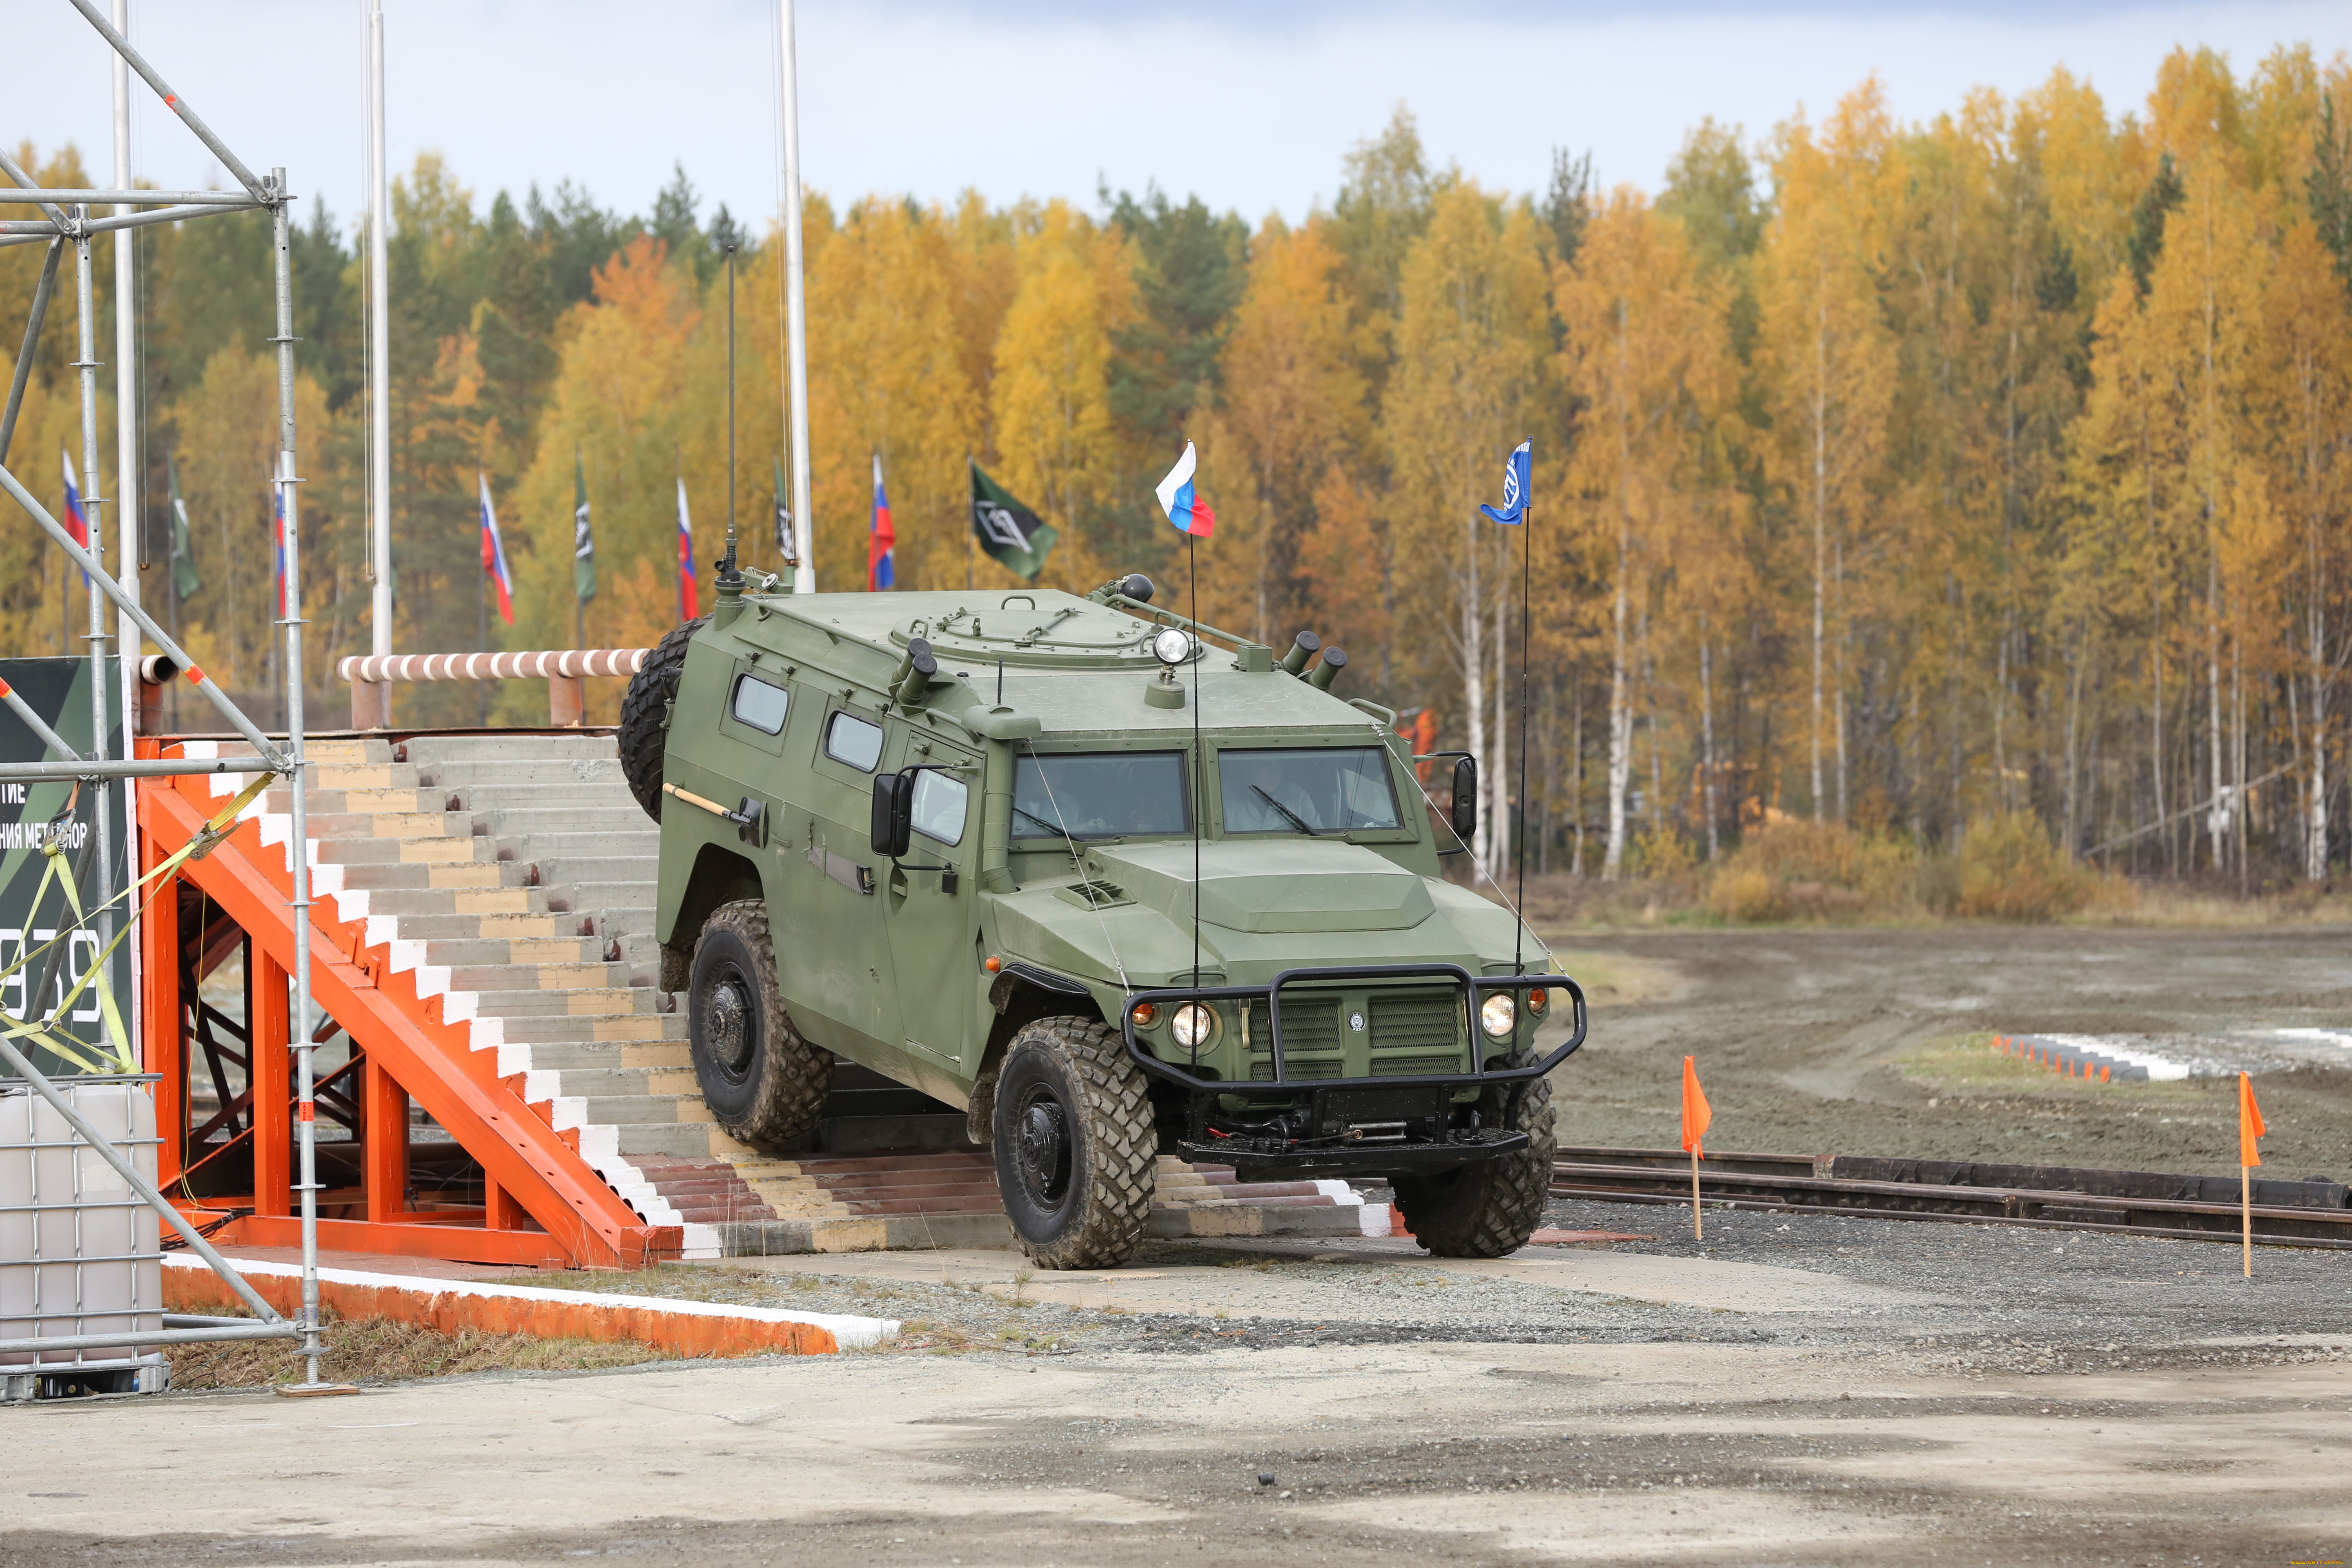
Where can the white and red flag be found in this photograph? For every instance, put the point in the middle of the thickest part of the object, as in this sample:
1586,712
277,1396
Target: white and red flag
494,555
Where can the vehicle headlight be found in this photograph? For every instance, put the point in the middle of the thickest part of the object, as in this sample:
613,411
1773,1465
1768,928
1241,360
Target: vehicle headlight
1192,1025
1497,1014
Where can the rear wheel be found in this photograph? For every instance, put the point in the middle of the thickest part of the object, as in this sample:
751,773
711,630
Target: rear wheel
764,1084
1490,1208
645,714
1073,1144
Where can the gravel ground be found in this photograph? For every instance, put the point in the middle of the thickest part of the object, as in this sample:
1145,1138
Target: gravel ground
1955,1297
1820,1041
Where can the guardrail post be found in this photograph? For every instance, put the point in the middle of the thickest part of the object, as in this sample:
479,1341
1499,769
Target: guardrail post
371,705
567,701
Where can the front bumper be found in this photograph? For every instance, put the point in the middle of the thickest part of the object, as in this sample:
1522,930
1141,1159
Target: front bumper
1256,1160
1367,1125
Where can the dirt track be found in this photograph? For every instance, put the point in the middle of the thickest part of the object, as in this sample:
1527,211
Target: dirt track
1851,1042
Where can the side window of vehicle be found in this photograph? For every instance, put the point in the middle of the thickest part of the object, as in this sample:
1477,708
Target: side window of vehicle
855,741
940,804
761,705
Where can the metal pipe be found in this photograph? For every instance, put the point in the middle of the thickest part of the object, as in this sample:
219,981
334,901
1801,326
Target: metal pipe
298,906
379,355
38,227
49,202
795,303
33,320
103,871
137,768
107,1152
122,194
269,756
126,494
38,725
175,102
281,1330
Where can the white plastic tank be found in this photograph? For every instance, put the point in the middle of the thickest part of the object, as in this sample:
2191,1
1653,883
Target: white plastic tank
79,1250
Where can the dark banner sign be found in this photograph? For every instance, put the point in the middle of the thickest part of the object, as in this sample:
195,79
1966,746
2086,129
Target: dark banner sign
30,816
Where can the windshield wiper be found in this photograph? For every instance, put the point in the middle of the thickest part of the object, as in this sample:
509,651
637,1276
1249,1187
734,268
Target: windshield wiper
1296,820
1054,828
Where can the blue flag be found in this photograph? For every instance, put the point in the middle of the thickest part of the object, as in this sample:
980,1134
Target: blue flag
1514,508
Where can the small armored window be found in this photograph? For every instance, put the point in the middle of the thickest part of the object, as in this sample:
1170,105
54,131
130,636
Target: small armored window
851,739
939,803
761,705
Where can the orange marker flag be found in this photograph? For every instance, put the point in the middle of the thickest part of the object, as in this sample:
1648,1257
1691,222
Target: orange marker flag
2250,1123
1696,1114
2249,1155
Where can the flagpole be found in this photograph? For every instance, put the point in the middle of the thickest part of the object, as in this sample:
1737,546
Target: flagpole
379,337
1520,934
728,570
1699,1226
971,534
2246,1215
1192,572
795,300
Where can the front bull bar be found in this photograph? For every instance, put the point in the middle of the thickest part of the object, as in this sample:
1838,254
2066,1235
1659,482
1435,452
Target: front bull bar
1471,984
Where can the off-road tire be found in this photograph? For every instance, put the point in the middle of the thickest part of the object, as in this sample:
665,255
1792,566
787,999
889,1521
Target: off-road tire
644,710
1080,1199
764,1085
1490,1208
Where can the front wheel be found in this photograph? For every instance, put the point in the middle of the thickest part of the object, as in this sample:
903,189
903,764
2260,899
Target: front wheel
766,1085
1073,1144
1490,1208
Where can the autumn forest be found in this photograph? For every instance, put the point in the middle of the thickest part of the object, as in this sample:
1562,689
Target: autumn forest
1913,476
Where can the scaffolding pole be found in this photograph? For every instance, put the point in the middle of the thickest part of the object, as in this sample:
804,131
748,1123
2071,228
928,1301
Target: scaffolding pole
126,499
93,501
305,1112
66,217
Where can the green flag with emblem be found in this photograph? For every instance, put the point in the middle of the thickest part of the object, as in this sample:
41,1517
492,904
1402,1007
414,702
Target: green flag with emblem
185,581
1015,536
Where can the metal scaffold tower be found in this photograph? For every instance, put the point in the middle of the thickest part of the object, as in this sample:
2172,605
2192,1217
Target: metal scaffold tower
67,220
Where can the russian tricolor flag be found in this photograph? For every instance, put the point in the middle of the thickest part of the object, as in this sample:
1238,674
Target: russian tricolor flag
686,597
882,541
1186,511
77,521
494,555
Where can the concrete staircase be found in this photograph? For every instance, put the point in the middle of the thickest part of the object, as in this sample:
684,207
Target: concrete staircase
515,875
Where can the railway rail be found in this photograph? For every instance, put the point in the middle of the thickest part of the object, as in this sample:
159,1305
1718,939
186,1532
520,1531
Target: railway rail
2316,1213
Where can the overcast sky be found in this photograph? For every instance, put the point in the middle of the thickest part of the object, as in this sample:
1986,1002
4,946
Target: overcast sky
1250,105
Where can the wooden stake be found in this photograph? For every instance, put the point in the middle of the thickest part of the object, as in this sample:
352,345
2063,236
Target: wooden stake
2246,1214
1699,1226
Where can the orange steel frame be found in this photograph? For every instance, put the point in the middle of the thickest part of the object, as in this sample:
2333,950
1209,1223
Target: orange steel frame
545,1206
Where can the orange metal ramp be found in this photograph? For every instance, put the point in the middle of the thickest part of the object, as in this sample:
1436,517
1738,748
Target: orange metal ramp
543,1203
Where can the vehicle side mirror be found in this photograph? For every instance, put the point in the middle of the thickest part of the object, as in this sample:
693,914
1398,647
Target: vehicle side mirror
1464,813
894,813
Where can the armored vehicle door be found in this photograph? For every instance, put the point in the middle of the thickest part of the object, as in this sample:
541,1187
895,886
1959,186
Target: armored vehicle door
837,978
928,902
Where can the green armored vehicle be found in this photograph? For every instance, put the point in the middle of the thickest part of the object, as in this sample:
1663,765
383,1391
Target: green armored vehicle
1117,884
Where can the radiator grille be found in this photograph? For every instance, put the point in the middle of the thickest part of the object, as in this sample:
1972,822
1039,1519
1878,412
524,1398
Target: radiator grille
1311,1040
1261,1067
1423,1020
1306,1027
